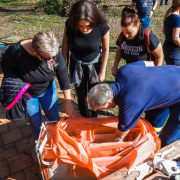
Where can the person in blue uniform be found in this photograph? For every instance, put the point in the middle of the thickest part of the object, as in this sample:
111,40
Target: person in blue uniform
145,11
138,88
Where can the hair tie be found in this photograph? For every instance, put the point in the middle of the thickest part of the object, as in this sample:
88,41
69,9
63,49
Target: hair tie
172,6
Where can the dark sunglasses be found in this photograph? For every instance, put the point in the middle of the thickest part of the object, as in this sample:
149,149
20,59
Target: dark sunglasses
44,59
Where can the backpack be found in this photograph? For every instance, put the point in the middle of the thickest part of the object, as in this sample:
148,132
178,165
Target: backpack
15,109
5,42
146,39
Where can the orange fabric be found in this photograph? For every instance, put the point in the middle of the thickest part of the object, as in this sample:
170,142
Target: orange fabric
88,143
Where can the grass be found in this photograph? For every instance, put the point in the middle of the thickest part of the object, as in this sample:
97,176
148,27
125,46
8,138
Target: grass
18,18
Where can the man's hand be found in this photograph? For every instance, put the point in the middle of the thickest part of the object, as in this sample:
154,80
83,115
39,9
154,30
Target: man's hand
69,109
114,70
101,77
150,14
120,134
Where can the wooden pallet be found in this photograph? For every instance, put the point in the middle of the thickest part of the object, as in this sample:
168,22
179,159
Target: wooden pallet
173,155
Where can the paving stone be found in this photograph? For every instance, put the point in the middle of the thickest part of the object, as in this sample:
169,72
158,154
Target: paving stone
4,170
4,124
44,118
16,176
1,143
19,162
2,109
26,130
11,136
4,128
32,173
7,151
3,116
25,144
34,156
16,124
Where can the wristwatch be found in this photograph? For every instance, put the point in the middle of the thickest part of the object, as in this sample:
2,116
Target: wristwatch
152,10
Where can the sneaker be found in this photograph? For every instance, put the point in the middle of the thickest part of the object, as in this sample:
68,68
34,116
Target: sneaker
166,4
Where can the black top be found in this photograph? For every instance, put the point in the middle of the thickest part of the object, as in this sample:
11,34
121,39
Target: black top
86,47
135,49
30,69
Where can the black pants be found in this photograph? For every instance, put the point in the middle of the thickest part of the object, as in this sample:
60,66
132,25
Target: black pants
84,88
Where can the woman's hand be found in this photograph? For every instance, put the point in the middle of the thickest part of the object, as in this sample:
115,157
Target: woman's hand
158,54
116,61
150,14
69,109
101,77
114,70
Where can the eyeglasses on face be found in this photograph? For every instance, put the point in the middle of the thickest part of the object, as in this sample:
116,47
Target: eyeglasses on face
44,59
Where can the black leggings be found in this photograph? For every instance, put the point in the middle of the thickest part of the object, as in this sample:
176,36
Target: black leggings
84,88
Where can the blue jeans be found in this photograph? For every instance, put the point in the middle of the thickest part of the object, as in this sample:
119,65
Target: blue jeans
171,132
48,101
146,21
171,61
161,3
171,54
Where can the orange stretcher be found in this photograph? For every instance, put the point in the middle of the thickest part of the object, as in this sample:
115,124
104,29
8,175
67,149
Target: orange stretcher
85,148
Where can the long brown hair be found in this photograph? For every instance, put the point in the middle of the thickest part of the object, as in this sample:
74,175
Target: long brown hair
175,4
85,10
129,16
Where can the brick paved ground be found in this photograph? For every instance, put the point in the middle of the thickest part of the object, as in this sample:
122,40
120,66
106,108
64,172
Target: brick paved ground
17,155
18,159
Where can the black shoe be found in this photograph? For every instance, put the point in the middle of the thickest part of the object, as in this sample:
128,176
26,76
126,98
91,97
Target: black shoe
166,4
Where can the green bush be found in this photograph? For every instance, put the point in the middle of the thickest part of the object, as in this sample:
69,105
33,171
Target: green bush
50,6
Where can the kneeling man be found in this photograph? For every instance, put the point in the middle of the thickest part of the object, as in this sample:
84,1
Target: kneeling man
138,88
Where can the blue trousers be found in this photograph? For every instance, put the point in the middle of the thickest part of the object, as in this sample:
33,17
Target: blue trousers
171,131
158,118
48,101
161,3
146,21
171,54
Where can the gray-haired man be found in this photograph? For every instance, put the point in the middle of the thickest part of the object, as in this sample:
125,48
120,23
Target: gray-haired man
138,88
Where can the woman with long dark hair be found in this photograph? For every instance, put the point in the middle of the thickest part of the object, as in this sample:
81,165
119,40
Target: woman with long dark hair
87,32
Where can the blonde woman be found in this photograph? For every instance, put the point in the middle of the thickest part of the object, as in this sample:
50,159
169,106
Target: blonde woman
171,30
40,58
